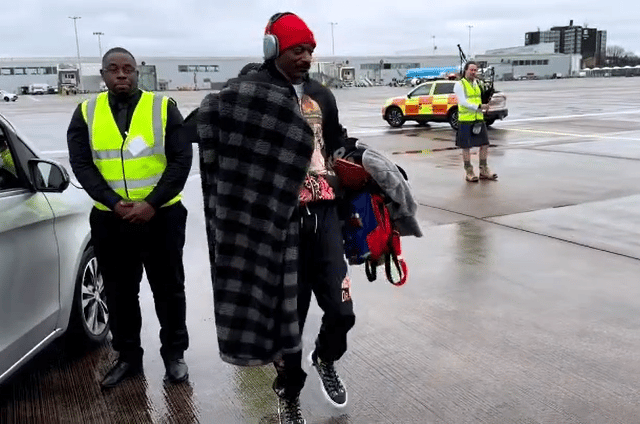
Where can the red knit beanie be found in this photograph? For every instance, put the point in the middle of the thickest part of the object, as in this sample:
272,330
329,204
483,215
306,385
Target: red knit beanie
290,31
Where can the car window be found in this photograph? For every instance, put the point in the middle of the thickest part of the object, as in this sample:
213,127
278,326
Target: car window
423,90
444,88
8,171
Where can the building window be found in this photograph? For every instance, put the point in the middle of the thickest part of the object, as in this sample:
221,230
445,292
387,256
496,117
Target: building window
198,68
6,71
19,71
546,62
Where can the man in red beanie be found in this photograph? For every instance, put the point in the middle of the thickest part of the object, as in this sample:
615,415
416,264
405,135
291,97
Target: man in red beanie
266,149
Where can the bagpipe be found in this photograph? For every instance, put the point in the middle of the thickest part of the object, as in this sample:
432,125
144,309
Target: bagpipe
486,77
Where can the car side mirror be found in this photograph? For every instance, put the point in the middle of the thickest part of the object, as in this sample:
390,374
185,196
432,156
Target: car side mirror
48,176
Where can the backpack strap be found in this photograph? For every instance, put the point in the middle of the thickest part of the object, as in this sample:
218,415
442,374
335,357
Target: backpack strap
400,266
394,258
370,270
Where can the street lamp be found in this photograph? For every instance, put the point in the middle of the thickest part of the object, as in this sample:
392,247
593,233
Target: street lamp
98,33
75,27
469,52
333,49
434,44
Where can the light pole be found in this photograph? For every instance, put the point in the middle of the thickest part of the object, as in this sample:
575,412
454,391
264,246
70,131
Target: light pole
333,49
434,44
75,27
469,52
98,33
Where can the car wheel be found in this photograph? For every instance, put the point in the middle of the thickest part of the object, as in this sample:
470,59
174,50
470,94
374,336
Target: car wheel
90,315
453,119
489,122
6,98
394,117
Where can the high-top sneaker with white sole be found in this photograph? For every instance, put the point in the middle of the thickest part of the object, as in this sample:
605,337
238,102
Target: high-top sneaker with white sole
289,411
332,386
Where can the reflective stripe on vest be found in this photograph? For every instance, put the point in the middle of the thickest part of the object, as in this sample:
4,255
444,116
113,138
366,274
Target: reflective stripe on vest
133,166
474,97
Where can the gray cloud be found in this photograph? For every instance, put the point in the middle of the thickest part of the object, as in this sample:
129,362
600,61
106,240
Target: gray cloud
217,28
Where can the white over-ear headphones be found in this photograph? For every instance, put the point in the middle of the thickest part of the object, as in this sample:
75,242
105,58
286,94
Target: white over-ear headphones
270,45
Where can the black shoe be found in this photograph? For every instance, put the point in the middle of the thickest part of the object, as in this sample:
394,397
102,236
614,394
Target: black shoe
332,386
177,370
121,371
289,411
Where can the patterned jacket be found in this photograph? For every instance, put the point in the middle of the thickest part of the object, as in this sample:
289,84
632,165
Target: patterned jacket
255,148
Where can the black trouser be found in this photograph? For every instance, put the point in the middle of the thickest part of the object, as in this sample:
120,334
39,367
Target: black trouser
122,250
322,271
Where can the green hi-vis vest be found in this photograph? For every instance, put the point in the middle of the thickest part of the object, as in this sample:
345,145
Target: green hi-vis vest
474,96
132,167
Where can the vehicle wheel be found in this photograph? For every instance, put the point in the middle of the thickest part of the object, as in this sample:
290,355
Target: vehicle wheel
489,122
89,315
453,119
6,98
394,117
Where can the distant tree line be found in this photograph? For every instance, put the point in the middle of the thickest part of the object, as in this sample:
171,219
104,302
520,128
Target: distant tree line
617,56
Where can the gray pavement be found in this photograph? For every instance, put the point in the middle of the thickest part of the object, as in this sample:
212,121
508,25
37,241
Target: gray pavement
522,304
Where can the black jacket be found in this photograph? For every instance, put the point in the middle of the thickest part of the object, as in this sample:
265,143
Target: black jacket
178,151
335,136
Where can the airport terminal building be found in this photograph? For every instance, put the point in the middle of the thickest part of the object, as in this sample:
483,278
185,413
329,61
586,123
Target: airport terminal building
195,73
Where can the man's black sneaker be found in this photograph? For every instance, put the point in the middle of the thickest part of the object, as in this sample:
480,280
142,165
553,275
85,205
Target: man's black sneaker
289,411
332,386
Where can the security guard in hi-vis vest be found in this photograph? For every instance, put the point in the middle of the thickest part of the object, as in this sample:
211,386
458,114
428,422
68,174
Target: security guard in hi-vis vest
472,131
127,149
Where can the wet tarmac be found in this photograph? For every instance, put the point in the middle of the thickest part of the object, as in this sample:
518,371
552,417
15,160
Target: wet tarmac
522,304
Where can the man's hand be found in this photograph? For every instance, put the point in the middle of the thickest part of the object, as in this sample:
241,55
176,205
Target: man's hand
122,208
484,108
140,213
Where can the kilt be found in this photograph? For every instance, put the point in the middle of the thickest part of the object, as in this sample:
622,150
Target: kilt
466,139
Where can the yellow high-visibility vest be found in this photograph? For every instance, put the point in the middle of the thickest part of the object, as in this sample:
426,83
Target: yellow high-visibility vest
6,161
132,167
474,96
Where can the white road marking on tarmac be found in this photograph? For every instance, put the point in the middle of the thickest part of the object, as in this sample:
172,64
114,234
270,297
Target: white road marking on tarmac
387,130
586,115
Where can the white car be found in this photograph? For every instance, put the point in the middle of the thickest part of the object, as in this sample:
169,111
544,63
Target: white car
6,96
50,282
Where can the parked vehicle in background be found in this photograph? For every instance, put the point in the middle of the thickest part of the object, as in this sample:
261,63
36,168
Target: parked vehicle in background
7,96
50,282
435,101
38,88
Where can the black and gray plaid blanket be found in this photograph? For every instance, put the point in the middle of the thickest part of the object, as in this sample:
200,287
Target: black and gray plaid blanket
254,152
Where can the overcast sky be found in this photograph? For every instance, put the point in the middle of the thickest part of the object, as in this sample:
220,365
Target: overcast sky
42,28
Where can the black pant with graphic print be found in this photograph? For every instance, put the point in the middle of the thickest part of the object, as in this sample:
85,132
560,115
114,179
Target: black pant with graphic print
322,271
